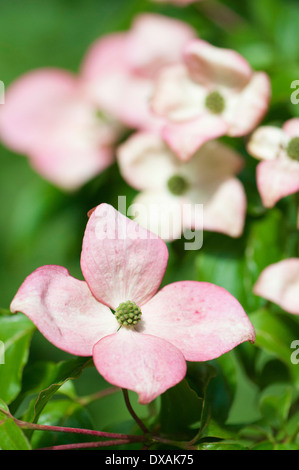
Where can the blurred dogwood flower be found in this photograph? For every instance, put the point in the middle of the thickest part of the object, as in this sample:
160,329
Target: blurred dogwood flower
214,92
119,69
278,174
48,117
279,283
144,345
172,190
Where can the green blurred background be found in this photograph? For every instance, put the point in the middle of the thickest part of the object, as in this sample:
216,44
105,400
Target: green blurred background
40,224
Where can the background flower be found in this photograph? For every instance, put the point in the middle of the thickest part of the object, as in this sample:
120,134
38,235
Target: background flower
279,283
120,69
48,117
278,173
171,189
214,92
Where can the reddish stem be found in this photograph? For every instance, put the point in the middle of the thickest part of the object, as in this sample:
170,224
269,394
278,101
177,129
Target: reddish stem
91,432
85,445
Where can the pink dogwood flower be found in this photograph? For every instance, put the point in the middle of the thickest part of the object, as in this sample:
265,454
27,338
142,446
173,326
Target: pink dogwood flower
278,172
120,68
48,117
279,283
213,92
171,190
139,339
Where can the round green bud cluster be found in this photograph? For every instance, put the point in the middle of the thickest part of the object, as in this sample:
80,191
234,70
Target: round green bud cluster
215,102
128,313
293,148
177,185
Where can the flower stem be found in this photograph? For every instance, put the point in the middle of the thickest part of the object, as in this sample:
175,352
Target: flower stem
91,432
132,412
85,445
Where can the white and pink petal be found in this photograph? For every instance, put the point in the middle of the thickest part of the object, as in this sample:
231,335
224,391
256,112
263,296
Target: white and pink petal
187,137
64,310
146,162
32,105
246,109
279,283
159,212
202,320
145,364
267,143
155,41
277,179
121,260
213,66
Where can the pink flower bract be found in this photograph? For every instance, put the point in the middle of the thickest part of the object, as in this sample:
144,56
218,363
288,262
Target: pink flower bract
121,262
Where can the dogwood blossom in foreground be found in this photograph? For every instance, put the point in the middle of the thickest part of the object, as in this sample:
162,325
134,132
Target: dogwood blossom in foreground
120,68
142,346
172,190
48,117
279,283
278,173
214,92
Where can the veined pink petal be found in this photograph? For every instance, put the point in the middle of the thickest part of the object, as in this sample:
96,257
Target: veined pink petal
202,320
64,310
146,162
155,41
277,179
186,138
32,104
213,66
279,283
121,260
248,108
142,363
267,143
291,127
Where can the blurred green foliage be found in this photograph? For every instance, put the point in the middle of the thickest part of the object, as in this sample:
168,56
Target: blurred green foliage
249,397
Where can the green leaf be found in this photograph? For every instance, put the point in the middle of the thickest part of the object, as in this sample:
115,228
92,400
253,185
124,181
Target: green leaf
181,408
275,403
275,333
265,445
46,380
11,436
222,445
62,412
15,333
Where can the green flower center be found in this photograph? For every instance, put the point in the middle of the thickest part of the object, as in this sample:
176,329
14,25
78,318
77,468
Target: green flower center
128,313
177,185
293,149
215,102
